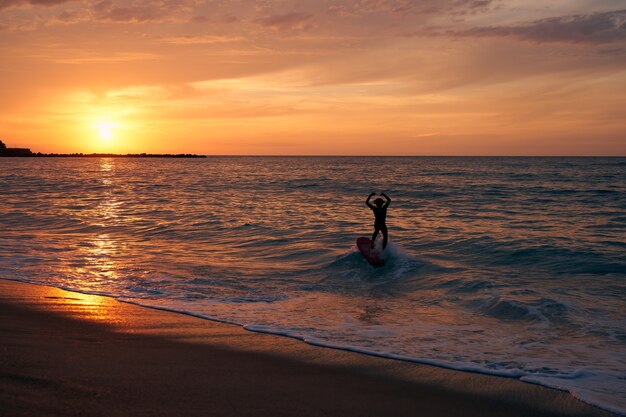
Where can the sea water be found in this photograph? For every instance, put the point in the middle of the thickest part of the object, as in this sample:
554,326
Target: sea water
505,266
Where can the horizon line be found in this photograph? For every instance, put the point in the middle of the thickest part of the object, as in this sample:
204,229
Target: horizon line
69,154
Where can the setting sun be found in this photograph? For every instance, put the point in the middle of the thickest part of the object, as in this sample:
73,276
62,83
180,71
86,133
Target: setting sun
105,130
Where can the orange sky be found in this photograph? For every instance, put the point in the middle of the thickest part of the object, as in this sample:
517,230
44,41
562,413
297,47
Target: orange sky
360,77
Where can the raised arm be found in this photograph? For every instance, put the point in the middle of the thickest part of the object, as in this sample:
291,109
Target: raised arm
386,198
367,202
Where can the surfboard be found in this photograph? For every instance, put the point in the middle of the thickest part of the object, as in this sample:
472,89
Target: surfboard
373,256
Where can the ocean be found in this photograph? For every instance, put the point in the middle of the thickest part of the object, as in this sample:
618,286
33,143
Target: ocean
505,266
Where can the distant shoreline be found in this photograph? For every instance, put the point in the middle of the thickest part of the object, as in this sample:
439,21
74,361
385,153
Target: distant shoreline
10,152
103,155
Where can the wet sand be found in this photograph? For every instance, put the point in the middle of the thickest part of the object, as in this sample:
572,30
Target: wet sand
66,354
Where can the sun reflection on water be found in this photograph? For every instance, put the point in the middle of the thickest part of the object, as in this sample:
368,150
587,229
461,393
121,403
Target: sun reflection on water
100,251
100,256
106,166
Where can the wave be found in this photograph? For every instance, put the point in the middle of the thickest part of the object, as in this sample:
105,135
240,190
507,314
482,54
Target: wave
398,264
540,310
556,259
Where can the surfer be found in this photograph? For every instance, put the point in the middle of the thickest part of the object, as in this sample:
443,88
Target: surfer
380,213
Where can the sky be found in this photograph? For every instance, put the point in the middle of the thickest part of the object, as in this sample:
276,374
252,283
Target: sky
315,77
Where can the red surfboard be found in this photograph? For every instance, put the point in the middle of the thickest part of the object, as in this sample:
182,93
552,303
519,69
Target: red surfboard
372,255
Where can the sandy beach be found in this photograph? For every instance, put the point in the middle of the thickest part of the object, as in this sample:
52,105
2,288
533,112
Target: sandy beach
65,353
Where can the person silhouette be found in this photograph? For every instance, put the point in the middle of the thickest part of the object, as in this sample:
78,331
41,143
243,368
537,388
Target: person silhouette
380,215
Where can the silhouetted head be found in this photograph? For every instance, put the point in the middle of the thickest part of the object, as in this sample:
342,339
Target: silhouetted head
379,202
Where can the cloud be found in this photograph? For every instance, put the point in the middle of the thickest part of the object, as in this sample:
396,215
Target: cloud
361,7
132,14
287,21
108,11
72,16
227,18
137,11
200,40
91,58
5,4
596,28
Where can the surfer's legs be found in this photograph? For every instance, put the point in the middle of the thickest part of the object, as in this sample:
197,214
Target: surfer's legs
376,230
385,236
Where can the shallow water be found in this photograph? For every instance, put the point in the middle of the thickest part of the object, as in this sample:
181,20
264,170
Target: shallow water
508,266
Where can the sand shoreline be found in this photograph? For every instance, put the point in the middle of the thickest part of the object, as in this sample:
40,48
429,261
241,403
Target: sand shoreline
66,353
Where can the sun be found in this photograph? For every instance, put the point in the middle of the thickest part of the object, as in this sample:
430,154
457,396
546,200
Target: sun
105,130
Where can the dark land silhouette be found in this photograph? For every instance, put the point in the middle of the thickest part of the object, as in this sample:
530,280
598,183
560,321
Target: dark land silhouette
25,152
